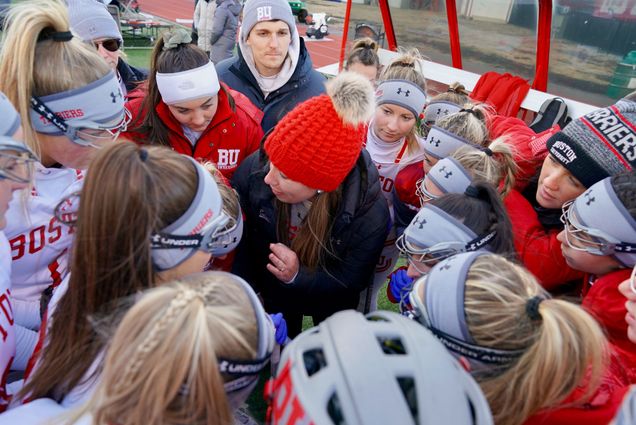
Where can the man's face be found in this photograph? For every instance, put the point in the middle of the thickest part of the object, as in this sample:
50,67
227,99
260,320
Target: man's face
269,41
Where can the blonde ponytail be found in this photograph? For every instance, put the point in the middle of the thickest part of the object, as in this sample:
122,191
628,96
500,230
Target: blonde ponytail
496,167
564,346
162,364
471,123
31,67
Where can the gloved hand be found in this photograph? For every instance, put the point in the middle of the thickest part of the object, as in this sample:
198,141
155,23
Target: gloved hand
281,328
399,286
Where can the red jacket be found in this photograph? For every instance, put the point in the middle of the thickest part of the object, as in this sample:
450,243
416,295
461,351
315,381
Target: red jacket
538,249
603,300
230,138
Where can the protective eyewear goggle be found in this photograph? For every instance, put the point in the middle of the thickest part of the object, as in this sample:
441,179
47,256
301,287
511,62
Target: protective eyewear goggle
421,192
83,132
111,44
16,163
586,239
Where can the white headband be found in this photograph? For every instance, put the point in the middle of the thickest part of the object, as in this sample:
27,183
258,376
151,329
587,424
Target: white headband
187,85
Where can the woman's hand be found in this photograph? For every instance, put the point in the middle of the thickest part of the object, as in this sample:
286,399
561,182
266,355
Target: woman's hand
284,263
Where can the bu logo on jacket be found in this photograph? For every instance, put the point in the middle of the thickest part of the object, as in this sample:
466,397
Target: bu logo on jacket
228,158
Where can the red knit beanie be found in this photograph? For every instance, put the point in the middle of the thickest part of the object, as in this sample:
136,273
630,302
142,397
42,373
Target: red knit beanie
318,142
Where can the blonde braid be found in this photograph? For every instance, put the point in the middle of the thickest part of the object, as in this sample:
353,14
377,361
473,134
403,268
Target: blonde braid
183,298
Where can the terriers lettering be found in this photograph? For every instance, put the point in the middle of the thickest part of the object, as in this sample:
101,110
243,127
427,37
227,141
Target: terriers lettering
616,130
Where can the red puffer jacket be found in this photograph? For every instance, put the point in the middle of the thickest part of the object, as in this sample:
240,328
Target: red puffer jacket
230,138
538,249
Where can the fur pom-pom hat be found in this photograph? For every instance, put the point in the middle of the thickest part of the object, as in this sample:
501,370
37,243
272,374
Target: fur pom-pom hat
319,141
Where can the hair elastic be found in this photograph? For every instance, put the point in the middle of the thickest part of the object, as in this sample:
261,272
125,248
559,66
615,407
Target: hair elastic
469,110
58,36
477,193
532,307
488,152
143,154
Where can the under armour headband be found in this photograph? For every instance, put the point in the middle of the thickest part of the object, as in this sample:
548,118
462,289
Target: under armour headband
402,93
195,229
441,143
433,229
439,109
601,214
10,117
443,312
98,105
186,85
449,176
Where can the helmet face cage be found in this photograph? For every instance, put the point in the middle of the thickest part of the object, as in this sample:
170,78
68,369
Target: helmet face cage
582,238
16,164
422,193
428,256
94,135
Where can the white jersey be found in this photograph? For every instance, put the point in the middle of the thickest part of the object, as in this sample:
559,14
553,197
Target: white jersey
389,159
43,411
39,243
7,332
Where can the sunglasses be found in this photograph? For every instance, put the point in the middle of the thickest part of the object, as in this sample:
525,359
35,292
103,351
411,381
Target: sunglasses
112,44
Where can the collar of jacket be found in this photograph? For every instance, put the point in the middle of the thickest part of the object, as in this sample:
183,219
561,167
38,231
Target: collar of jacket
223,112
299,77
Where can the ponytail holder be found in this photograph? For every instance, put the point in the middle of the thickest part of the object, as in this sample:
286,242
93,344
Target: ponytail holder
143,155
57,36
175,38
451,90
532,307
475,192
488,152
470,111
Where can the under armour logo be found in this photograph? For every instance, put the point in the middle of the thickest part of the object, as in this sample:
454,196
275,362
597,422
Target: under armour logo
589,198
447,174
446,266
435,142
114,96
420,222
406,93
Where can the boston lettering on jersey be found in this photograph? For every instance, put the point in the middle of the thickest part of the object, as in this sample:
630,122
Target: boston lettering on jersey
617,132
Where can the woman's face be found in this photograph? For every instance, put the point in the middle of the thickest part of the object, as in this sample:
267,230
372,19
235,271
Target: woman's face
7,187
285,189
429,162
111,57
61,150
195,114
556,185
392,122
370,72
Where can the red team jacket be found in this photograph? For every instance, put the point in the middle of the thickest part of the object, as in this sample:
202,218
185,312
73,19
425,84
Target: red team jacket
228,140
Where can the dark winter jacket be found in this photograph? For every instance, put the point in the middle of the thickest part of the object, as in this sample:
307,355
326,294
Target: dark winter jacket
304,83
359,230
130,75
